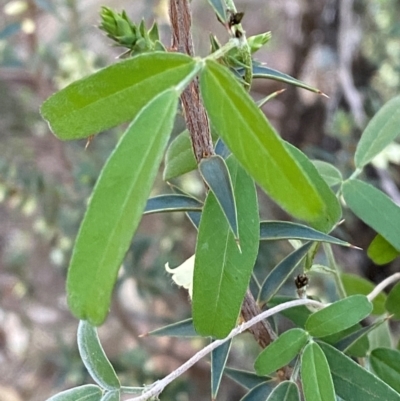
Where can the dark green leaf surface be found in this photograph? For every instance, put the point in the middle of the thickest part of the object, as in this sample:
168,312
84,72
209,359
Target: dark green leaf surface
338,316
381,251
386,364
221,149
114,94
354,284
260,150
281,272
219,356
298,315
356,343
354,383
89,392
219,8
392,304
245,378
260,392
94,358
222,272
315,375
381,130
262,71
328,172
277,230
116,207
216,175
179,158
281,351
285,391
333,211
374,208
183,328
172,203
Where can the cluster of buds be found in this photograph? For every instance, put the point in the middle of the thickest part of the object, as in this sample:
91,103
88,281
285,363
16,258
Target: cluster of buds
137,39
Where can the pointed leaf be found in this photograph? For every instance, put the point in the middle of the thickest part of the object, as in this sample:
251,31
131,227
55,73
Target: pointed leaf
244,378
256,145
338,316
328,172
114,94
116,207
221,149
285,391
184,328
392,304
333,211
381,251
179,158
281,272
354,284
260,392
386,364
276,230
219,8
94,358
354,383
374,208
381,130
88,392
216,175
315,375
172,203
281,351
222,272
219,356
262,71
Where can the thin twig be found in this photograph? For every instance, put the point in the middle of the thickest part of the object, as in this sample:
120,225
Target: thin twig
161,384
382,285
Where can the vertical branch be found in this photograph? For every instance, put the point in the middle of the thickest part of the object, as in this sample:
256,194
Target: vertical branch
195,114
198,125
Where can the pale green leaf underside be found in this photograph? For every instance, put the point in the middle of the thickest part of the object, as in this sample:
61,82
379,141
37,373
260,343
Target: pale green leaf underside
88,392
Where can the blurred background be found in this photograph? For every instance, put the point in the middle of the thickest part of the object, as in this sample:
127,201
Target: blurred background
349,49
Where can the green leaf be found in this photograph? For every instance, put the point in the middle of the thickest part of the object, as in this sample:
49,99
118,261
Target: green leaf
298,315
354,284
354,383
374,208
179,158
272,230
381,130
256,145
245,378
315,375
94,358
222,272
184,328
381,337
216,175
221,149
392,304
386,365
338,316
381,251
262,71
281,351
116,207
333,211
172,203
285,391
111,396
219,8
89,392
114,94
281,272
219,356
260,392
331,175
